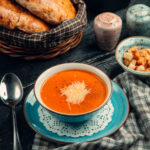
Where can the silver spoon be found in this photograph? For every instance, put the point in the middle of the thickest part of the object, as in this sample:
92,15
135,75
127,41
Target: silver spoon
11,93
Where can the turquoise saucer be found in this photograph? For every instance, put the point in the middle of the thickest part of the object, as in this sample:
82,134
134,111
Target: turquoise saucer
121,110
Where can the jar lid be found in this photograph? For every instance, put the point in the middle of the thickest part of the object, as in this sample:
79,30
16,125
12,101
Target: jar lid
139,10
108,20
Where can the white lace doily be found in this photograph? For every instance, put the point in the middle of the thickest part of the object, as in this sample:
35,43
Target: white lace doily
95,124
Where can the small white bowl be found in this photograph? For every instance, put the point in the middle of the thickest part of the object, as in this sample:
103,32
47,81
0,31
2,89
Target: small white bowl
67,66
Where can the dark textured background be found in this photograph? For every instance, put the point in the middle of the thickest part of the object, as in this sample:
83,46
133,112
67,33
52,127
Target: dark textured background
86,52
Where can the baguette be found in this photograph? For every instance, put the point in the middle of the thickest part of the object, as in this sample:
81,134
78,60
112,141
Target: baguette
30,24
14,16
52,11
8,18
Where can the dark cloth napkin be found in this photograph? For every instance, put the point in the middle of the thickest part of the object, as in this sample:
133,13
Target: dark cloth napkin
133,135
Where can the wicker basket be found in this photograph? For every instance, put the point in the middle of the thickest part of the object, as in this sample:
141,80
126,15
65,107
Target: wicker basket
31,54
64,37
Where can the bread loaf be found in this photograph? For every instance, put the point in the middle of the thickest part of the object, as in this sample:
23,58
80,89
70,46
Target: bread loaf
14,16
52,11
8,18
30,24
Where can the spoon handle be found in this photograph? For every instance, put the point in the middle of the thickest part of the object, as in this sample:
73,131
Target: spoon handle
16,140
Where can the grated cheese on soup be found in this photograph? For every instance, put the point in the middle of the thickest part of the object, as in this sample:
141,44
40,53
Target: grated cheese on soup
75,92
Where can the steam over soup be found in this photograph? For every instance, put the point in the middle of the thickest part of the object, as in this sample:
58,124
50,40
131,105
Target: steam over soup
74,92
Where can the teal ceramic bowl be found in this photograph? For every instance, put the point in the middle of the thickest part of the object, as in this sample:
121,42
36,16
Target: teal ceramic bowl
124,45
67,66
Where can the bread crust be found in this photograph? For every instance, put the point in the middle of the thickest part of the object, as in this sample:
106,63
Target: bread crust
14,16
8,18
30,24
52,11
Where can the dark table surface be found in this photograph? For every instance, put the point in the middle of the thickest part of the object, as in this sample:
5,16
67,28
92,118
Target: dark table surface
28,71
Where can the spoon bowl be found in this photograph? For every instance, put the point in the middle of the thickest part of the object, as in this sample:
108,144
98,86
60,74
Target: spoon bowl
11,93
11,89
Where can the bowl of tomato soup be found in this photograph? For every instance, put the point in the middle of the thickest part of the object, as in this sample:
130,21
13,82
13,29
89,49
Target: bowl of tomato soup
73,92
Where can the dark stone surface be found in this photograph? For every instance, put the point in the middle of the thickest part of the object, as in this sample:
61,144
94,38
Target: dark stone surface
28,71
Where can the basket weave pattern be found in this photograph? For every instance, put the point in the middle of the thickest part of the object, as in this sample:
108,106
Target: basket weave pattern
28,54
45,45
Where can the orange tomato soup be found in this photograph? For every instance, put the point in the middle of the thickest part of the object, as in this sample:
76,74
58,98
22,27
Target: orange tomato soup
55,100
